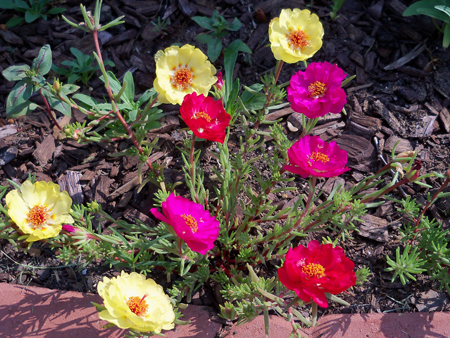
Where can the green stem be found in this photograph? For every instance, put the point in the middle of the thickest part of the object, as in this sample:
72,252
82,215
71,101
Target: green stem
192,168
314,313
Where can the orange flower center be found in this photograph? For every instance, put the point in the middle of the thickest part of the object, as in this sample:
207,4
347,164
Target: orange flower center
37,216
137,305
318,156
182,79
191,222
297,39
314,270
202,114
317,89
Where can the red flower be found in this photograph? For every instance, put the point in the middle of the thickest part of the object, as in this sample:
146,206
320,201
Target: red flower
205,117
311,272
219,83
190,221
310,155
317,91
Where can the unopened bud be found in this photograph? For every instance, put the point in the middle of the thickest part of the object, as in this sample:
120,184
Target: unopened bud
56,85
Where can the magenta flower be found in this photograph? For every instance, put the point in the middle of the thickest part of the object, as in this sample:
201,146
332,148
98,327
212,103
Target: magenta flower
311,156
317,91
219,83
190,221
69,228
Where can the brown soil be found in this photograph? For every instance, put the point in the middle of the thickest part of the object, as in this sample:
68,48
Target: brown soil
408,101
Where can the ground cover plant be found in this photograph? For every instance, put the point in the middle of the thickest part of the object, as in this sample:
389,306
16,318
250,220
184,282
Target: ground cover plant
227,232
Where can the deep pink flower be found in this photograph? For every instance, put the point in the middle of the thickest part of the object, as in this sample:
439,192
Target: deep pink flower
69,228
190,221
317,269
205,117
310,155
219,83
317,91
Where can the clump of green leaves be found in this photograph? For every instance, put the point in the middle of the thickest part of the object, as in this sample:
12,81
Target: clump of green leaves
81,68
161,25
32,80
427,248
437,10
33,10
335,7
218,27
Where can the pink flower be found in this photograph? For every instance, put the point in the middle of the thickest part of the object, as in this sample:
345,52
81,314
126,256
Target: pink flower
205,117
310,155
219,83
190,222
317,269
317,91
69,228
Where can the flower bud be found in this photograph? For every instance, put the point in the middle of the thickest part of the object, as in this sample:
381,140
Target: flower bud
219,83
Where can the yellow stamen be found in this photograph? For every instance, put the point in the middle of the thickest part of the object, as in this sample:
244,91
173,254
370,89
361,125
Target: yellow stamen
202,114
191,222
317,89
314,270
182,79
137,305
37,216
297,39
317,156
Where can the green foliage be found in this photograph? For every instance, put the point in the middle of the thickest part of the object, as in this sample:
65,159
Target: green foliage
32,9
218,27
431,251
436,9
335,7
79,69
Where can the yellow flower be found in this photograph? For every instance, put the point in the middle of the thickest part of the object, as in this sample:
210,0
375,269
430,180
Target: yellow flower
133,302
295,36
181,71
39,209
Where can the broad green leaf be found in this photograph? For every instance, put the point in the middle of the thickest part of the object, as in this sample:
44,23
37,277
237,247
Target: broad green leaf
60,70
214,49
204,22
113,82
30,17
252,101
57,104
132,115
235,25
424,4
22,109
444,9
230,57
21,4
73,78
205,38
81,57
14,21
69,89
43,63
87,100
129,89
146,96
17,97
56,10
16,73
7,4
434,13
446,40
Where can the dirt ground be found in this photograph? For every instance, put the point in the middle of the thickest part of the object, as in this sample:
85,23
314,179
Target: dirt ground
401,92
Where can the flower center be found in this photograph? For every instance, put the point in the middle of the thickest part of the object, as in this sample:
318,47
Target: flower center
314,270
318,156
137,305
191,222
297,39
182,79
202,114
317,89
38,216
